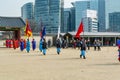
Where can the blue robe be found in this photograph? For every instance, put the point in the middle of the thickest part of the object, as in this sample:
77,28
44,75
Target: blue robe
44,47
28,46
58,46
40,45
58,50
21,45
33,44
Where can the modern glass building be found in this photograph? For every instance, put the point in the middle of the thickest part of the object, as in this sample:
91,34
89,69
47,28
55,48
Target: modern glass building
99,6
50,12
27,11
94,5
114,21
72,13
111,6
67,18
90,21
101,16
80,6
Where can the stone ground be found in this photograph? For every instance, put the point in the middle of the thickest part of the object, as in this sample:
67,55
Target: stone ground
99,65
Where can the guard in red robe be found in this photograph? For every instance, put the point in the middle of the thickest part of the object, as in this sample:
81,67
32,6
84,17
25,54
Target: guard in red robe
14,44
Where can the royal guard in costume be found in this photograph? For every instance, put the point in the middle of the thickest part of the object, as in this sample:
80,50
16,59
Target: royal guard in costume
33,44
58,46
17,43
21,45
7,43
44,46
40,45
10,43
28,46
24,43
83,49
14,44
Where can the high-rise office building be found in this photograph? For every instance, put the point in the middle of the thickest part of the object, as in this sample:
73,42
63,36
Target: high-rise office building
27,11
101,16
50,12
72,14
114,22
111,6
67,18
80,6
94,5
90,21
99,6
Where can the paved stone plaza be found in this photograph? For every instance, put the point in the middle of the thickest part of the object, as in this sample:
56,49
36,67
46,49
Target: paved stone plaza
98,65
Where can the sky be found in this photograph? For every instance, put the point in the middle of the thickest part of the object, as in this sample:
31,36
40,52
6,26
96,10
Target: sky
12,8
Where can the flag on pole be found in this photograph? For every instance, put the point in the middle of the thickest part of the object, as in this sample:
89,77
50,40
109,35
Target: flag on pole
43,32
28,31
80,29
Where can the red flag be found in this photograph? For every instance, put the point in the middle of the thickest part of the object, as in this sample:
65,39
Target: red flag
28,31
80,29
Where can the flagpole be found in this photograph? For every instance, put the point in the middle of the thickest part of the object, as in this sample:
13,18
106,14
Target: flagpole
58,36
83,27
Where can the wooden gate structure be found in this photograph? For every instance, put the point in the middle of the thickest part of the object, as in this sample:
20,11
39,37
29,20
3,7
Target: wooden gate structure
12,24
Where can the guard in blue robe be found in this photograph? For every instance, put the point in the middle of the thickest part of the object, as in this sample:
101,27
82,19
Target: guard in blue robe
40,45
44,46
28,45
21,45
83,49
33,44
58,46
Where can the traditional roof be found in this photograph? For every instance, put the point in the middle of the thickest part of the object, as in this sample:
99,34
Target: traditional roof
11,22
95,34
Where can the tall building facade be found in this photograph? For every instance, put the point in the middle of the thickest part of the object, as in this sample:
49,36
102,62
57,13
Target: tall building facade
67,19
50,12
90,21
99,6
114,21
27,11
72,21
111,7
94,5
80,6
101,16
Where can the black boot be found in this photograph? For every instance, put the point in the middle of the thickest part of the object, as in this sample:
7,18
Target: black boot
84,57
58,53
44,54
